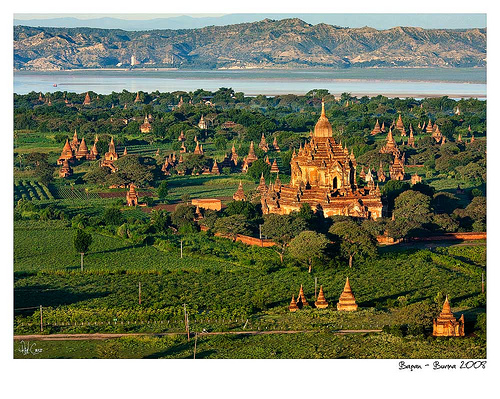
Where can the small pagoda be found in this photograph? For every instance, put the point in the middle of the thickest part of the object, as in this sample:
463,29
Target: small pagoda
390,146
182,137
411,139
262,187
376,129
146,126
397,168
215,168
275,145
321,302
293,305
436,134
86,101
110,157
415,178
65,170
66,154
347,302
430,127
199,149
380,174
250,158
446,325
132,197
137,98
274,167
202,124
83,151
301,298
239,195
400,126
263,144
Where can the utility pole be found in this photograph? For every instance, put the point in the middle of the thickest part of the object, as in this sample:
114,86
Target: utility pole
186,322
260,231
181,249
139,292
482,282
41,319
195,339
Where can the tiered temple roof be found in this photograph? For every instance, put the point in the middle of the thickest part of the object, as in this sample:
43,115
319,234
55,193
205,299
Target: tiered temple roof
275,144
110,156
83,151
202,124
262,187
86,101
446,325
66,154
263,143
347,302
390,146
293,305
234,155
436,134
411,139
215,168
239,195
429,128
250,158
376,129
274,167
321,302
301,298
397,168
199,149
323,174
400,126
380,174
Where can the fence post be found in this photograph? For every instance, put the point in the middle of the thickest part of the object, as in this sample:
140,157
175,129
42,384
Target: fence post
41,319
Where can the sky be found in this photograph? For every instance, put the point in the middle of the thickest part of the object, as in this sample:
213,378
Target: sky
353,20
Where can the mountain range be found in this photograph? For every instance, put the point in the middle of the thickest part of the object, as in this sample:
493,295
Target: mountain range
264,44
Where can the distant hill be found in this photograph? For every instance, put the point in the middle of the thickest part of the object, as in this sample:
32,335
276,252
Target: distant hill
264,44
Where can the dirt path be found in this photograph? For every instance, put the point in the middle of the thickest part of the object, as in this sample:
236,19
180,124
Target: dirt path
97,336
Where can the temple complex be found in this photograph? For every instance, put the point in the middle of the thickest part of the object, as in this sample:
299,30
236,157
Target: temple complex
239,195
66,154
347,302
446,325
323,174
132,197
321,302
65,170
250,158
301,298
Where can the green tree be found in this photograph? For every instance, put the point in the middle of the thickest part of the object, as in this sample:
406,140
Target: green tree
308,246
113,217
163,190
183,214
282,229
412,211
354,240
232,226
82,242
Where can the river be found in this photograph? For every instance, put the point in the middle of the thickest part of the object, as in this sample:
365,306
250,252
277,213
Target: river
401,82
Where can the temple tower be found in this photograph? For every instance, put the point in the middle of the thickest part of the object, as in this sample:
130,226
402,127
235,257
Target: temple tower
132,197
347,302
321,302
446,324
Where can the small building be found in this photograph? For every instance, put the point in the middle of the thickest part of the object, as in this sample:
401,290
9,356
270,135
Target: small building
446,325
132,197
208,203
65,170
239,195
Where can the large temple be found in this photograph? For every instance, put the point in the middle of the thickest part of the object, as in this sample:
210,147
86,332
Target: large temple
323,176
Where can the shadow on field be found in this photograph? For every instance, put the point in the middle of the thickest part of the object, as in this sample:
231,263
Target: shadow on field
115,250
45,295
178,349
383,299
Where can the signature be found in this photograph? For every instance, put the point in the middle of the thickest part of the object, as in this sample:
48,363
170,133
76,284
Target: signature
28,348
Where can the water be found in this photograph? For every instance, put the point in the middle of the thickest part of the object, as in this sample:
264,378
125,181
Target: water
407,82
